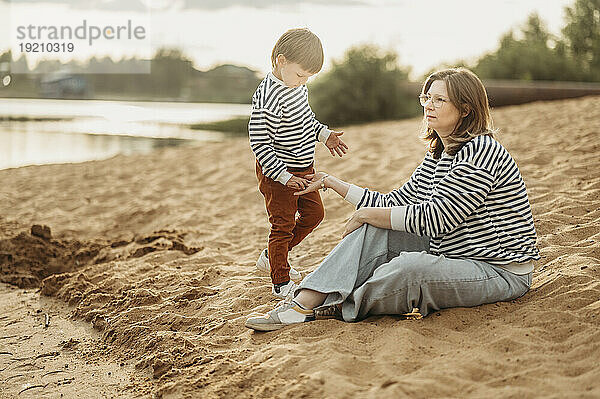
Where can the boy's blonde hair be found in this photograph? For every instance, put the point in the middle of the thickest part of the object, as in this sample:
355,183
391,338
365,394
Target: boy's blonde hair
300,46
469,96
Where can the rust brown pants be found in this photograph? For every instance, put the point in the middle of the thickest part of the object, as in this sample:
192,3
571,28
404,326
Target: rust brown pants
286,230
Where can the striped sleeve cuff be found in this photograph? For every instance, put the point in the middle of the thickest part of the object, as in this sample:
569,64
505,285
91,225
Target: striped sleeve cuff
398,218
284,177
324,134
354,194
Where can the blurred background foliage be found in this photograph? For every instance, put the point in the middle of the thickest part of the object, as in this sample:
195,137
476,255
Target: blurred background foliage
369,84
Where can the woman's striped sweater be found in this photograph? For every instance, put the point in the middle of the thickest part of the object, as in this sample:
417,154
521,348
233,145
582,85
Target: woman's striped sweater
472,205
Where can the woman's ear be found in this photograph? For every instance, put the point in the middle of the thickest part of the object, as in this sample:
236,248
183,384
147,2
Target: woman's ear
466,110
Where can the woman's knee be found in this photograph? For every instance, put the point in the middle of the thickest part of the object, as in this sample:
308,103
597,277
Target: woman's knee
414,266
373,233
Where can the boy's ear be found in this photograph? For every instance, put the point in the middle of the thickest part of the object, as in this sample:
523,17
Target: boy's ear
280,59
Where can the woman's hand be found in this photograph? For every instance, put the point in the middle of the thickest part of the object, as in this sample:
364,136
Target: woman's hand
356,221
332,182
378,217
314,183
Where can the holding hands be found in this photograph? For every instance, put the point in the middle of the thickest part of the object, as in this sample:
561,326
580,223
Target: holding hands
376,216
314,182
336,145
298,183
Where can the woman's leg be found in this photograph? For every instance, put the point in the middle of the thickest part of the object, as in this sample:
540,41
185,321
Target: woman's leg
431,282
309,299
348,266
352,262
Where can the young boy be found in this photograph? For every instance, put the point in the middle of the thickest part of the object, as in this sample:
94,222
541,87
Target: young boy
283,132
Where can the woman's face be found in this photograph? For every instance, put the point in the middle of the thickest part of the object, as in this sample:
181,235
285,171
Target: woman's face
440,114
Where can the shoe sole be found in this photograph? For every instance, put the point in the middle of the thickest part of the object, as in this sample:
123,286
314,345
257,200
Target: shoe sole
265,327
329,317
321,316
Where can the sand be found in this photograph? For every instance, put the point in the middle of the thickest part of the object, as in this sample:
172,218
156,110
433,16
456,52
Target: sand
157,253
46,354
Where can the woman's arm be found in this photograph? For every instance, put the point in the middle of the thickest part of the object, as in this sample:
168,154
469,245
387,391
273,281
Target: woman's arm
378,217
363,197
458,194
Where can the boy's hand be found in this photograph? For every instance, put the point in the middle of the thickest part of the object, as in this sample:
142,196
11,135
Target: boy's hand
336,145
297,183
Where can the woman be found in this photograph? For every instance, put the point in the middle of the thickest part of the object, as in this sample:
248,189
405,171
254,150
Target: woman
458,233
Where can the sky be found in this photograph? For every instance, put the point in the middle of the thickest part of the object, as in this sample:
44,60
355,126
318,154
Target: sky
424,34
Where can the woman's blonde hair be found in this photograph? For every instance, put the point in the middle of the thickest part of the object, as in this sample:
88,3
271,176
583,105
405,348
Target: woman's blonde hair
469,96
300,46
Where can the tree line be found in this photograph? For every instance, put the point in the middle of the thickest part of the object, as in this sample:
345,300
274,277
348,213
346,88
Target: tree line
171,77
366,84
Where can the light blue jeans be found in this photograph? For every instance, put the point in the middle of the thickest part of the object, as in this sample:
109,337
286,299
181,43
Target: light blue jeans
375,271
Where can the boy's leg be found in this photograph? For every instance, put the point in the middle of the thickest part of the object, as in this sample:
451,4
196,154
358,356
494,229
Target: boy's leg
281,205
310,208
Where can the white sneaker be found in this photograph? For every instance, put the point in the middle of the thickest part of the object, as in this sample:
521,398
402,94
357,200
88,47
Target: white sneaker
263,265
287,313
285,292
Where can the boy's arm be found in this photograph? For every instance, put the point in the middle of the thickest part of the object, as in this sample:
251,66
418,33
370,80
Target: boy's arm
328,137
322,131
262,122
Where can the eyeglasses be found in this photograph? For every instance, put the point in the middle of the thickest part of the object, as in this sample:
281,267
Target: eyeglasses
437,101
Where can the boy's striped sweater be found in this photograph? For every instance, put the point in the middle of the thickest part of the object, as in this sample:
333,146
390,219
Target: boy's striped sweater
283,129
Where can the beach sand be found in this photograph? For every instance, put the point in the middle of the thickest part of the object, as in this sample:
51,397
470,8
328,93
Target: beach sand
157,253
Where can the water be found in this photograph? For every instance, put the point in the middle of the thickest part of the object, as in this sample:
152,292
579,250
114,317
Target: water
101,129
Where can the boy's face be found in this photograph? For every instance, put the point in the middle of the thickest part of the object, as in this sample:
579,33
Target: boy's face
291,73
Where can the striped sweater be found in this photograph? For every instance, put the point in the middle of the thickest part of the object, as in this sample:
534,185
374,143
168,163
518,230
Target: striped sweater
283,129
472,205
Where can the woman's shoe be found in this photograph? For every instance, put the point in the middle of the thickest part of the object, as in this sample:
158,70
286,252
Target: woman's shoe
329,312
289,312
